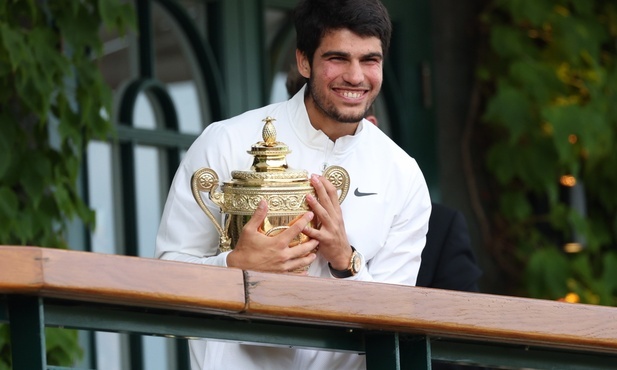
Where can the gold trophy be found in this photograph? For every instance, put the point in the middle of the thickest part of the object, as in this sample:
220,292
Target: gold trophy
269,178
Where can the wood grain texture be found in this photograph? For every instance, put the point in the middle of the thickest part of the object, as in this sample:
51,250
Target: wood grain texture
122,280
433,312
20,269
151,283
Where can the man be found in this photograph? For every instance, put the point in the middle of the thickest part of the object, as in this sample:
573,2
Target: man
381,225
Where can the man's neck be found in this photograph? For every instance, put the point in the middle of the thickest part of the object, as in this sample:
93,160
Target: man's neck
332,128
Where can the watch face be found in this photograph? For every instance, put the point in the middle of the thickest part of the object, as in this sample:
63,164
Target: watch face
356,264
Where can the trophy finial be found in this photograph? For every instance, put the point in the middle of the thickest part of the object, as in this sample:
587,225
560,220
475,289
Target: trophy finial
269,154
269,132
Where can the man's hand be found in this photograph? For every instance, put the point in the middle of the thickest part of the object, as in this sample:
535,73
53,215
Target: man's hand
332,237
258,252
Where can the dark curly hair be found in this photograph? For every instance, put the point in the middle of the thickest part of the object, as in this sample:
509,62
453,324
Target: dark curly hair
314,18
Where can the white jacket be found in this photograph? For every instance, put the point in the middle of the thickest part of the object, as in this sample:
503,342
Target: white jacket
388,228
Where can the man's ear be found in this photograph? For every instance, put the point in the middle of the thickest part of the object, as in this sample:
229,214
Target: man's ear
304,67
372,119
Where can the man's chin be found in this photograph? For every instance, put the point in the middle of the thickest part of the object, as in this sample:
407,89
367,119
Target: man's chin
348,115
350,118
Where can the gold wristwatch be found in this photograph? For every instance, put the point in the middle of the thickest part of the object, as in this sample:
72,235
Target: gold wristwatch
355,264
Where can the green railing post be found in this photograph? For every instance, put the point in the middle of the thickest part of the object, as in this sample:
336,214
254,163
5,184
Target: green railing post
416,353
27,327
389,351
382,351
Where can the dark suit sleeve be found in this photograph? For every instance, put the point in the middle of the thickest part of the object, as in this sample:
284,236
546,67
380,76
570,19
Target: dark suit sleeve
448,261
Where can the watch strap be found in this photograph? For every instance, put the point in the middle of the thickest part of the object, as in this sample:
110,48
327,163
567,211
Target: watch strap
347,272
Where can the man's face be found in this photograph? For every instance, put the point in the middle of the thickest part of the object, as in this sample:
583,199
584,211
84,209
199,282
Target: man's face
345,76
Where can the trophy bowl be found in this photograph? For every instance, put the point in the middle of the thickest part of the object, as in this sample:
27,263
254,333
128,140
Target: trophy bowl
269,178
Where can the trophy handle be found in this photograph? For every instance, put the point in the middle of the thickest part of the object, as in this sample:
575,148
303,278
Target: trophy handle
206,180
339,177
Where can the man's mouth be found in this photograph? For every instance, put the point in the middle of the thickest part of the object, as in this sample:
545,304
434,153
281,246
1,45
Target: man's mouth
351,94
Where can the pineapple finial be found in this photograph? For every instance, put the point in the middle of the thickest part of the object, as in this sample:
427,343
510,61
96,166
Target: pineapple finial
269,132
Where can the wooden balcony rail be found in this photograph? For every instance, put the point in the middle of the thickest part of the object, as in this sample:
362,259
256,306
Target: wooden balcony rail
396,327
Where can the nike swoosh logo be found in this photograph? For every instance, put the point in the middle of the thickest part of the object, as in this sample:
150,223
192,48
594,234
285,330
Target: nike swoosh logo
361,194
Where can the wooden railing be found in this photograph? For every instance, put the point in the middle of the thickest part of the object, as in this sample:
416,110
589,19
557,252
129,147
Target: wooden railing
397,327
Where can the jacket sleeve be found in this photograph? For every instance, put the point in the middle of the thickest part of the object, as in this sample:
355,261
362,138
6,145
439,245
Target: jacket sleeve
448,261
406,223
186,233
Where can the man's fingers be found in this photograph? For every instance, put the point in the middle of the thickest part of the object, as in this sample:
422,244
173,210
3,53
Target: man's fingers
298,225
258,216
320,189
332,192
311,232
303,249
299,266
326,193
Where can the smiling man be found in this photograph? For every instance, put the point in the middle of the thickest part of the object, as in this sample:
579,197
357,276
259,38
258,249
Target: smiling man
344,79
378,232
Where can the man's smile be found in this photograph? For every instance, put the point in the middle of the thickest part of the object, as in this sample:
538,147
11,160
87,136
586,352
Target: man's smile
349,93
352,94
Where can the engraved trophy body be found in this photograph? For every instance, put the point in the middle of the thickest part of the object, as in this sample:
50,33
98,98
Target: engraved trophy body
269,178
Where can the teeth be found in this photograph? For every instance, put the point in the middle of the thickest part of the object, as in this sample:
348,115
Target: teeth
351,94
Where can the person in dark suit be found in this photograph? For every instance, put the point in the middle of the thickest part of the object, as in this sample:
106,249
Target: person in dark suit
448,261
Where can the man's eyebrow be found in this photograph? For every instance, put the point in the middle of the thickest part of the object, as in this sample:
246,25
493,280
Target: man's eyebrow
336,53
373,55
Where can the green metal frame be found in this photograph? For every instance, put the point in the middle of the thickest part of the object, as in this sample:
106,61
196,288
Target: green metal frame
407,86
236,31
169,140
27,325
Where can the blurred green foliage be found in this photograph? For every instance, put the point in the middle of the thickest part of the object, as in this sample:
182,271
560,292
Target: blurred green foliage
549,74
53,100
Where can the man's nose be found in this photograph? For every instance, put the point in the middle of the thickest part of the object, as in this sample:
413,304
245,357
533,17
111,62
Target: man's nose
354,74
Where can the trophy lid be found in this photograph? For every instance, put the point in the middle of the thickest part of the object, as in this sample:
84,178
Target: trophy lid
270,162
